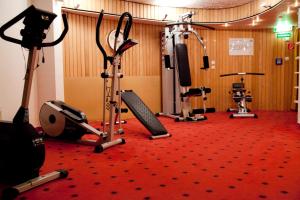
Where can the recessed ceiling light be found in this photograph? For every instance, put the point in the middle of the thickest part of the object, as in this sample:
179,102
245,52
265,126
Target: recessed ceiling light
265,5
257,18
173,3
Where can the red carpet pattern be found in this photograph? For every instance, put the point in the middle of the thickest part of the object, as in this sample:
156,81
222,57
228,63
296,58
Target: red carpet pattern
219,158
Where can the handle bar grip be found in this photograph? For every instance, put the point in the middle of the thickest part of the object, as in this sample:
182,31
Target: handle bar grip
127,26
98,38
126,30
63,34
12,22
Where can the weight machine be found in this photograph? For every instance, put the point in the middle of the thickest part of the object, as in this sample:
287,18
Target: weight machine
241,96
179,79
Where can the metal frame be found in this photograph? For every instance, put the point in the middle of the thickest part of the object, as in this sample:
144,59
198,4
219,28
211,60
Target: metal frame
172,101
242,110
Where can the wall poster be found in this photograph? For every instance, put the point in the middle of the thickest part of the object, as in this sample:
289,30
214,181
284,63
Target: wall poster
241,46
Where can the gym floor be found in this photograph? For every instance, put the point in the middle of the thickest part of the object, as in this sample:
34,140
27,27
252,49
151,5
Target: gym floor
219,158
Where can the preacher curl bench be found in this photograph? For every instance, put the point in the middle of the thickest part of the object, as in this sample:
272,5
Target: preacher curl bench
240,96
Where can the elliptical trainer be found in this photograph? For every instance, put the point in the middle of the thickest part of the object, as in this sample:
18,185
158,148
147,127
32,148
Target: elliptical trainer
112,91
22,150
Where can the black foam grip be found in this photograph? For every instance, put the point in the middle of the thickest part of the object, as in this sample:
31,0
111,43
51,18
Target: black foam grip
205,62
167,61
63,34
99,21
207,90
183,65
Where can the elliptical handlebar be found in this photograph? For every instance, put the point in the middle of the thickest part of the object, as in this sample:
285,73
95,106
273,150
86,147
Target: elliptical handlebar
127,26
125,34
98,38
63,34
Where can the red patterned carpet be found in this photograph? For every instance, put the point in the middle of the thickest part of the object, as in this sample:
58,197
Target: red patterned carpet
220,159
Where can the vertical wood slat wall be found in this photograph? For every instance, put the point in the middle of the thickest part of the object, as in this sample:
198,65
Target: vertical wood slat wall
157,12
271,92
82,58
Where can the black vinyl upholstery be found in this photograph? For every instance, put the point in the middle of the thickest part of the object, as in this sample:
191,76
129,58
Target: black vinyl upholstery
183,65
143,113
238,85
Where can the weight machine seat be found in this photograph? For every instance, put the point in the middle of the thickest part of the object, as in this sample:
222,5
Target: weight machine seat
238,85
237,98
248,98
238,91
196,92
241,90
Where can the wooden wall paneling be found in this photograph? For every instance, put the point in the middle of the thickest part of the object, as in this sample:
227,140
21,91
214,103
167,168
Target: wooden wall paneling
262,62
289,71
293,105
88,46
66,54
72,42
271,92
208,15
282,75
269,71
276,81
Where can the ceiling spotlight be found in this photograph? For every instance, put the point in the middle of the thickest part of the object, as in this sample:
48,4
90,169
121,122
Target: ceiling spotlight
165,17
76,6
253,22
257,18
266,5
288,10
226,24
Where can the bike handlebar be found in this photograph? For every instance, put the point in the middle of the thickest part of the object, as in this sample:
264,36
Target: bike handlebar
25,13
12,22
63,34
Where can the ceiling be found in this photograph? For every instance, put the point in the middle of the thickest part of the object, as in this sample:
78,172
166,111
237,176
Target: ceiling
212,4
267,19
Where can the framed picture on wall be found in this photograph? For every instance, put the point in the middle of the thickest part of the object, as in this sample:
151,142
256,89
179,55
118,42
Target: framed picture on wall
241,46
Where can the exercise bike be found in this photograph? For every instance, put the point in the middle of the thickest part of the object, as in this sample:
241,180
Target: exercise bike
241,96
22,150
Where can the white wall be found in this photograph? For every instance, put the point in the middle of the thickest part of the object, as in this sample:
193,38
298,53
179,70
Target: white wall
12,63
50,74
48,78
